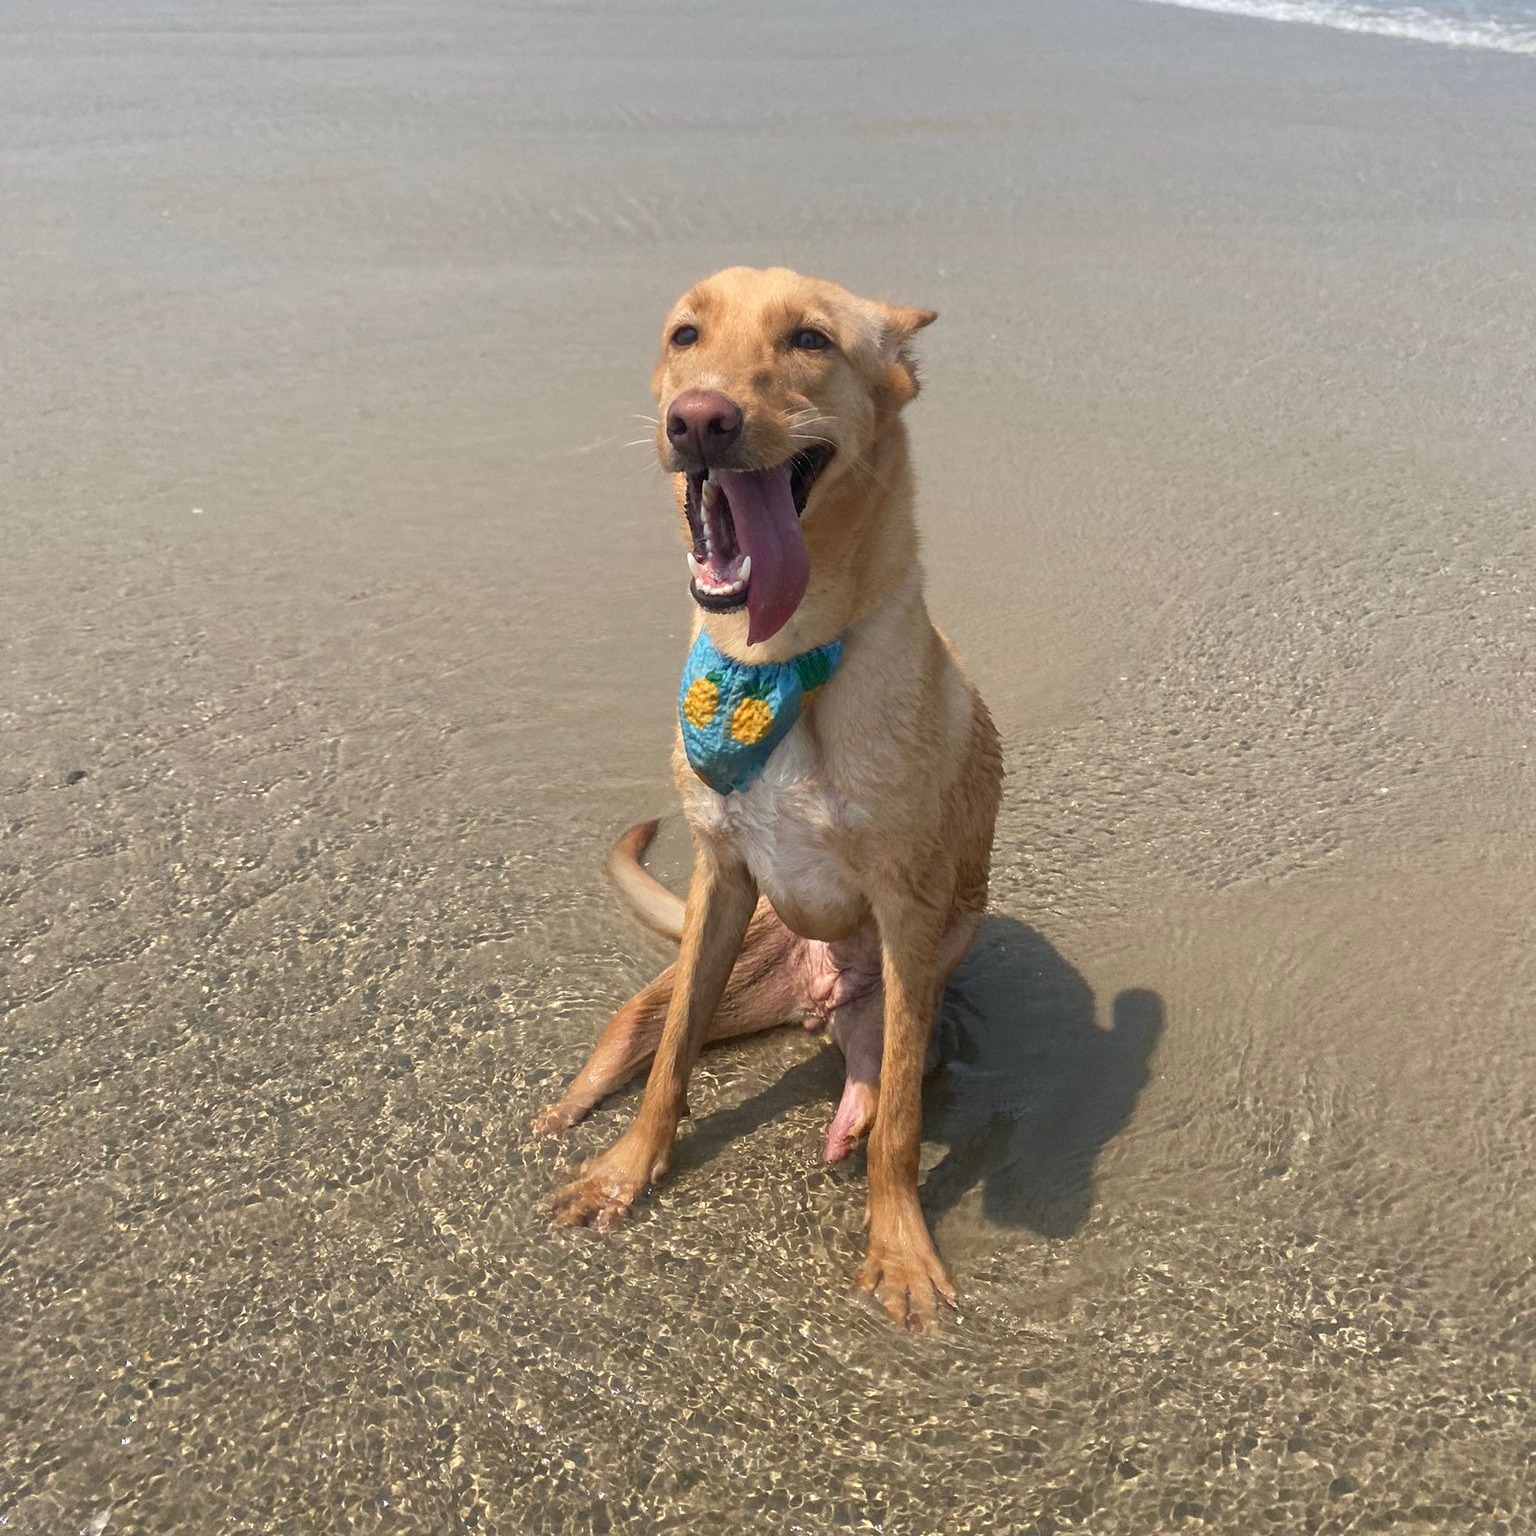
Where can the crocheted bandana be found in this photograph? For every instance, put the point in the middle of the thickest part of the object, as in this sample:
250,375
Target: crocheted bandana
734,713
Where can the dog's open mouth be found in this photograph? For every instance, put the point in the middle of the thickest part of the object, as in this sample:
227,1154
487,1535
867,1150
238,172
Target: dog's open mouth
748,550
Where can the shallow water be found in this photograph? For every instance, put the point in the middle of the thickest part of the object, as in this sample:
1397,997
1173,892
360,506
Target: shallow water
342,633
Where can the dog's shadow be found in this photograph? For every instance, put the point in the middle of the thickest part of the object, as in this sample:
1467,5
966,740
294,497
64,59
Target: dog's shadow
1029,1091
1032,1088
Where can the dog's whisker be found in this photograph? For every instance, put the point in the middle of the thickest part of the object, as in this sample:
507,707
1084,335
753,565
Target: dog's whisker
608,444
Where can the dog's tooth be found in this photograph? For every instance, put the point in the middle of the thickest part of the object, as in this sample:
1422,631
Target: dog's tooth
746,570
694,568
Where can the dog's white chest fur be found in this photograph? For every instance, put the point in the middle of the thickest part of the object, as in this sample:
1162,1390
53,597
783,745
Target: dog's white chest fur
791,828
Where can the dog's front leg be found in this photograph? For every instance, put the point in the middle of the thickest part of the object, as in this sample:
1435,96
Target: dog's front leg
902,1268
721,898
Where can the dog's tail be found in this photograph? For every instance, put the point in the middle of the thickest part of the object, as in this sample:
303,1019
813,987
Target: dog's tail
658,908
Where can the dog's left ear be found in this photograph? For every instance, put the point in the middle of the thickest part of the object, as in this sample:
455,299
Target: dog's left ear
898,325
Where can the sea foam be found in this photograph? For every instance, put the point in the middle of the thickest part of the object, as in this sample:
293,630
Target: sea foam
1510,28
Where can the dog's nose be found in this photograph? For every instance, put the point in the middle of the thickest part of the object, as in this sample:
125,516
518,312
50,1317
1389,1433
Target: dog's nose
701,423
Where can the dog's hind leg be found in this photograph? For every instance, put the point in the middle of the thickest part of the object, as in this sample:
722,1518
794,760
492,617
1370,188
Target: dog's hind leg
626,1044
857,1028
766,988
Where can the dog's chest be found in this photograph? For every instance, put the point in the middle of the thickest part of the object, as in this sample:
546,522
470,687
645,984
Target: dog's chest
794,833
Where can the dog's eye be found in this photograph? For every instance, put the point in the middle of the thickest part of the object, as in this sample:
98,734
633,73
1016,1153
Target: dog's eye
808,340
685,335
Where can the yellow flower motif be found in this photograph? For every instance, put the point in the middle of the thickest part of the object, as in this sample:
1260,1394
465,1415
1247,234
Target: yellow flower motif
701,702
751,722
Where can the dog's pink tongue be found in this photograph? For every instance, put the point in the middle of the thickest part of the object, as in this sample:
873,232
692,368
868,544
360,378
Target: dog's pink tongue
768,531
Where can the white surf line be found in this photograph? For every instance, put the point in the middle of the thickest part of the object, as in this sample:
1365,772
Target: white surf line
1416,25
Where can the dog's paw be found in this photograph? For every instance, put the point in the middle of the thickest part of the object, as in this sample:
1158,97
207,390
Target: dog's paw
586,1202
555,1118
605,1187
595,1200
910,1284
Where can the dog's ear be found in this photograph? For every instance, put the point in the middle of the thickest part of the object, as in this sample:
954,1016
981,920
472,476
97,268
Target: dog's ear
898,325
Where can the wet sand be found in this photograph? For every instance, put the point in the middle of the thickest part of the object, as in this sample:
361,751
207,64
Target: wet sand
340,634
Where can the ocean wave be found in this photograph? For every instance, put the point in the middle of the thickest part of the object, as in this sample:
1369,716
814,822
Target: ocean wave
1459,30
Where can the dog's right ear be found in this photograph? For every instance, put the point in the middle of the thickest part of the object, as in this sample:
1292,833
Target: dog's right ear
898,325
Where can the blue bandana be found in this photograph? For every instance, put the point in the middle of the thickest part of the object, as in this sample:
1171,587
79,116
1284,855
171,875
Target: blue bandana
734,713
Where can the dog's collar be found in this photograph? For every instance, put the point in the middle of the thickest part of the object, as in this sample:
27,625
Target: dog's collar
734,713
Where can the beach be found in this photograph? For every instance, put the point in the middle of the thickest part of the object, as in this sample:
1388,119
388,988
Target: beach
342,608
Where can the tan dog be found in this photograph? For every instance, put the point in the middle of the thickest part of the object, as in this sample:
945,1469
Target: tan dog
869,832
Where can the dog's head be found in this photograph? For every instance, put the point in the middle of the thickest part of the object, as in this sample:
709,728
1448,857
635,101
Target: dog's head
773,387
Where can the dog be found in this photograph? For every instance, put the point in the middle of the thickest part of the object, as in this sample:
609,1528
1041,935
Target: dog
838,770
